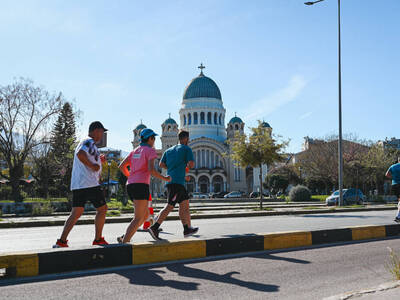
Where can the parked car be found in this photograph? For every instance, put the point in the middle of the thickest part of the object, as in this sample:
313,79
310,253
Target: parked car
350,196
257,195
197,195
218,195
234,194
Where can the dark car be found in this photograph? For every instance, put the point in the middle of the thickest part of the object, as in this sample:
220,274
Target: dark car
218,195
257,195
350,196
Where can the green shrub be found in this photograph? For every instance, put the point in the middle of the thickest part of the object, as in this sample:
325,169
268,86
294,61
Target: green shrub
113,213
5,192
300,193
42,209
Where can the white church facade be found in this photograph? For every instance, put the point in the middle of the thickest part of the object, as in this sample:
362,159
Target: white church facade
203,114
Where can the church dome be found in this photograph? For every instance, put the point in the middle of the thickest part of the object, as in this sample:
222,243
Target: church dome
202,87
169,121
235,120
140,126
265,124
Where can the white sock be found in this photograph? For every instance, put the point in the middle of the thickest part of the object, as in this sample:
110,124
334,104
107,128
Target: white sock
398,211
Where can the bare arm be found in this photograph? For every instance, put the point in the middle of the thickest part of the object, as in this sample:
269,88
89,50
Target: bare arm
154,172
123,166
388,174
162,165
85,160
190,164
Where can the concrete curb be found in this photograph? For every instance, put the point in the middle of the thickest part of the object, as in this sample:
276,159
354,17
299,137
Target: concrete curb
110,220
33,263
381,288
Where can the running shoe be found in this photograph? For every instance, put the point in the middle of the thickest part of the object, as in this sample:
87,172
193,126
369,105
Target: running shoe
100,242
190,231
60,244
154,233
397,219
120,239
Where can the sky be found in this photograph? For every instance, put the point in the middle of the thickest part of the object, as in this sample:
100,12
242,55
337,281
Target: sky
121,62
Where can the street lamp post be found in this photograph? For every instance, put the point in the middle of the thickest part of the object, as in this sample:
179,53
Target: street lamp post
340,146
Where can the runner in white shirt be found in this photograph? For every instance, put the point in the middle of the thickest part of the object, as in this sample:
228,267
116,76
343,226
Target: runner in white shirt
85,185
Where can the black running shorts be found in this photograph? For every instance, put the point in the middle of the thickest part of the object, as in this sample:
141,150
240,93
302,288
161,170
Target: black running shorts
396,190
138,191
95,195
176,193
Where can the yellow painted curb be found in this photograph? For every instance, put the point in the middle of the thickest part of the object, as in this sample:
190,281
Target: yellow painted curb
368,232
144,253
289,239
25,264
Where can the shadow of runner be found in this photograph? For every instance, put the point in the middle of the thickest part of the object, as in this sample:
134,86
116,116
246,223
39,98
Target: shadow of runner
185,271
151,277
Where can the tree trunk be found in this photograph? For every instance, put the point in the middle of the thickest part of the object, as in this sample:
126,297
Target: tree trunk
15,175
261,188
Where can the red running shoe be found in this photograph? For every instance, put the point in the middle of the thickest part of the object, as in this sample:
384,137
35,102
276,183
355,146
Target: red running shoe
100,242
60,244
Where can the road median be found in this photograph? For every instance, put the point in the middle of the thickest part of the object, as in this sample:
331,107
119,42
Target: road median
51,261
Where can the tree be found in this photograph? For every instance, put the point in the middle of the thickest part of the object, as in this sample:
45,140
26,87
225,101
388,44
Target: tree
277,182
256,150
43,167
25,111
63,143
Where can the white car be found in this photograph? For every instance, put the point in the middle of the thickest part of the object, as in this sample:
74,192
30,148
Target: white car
233,194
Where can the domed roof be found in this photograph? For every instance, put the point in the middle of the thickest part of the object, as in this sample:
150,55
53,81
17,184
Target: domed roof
169,121
202,87
140,126
235,119
265,124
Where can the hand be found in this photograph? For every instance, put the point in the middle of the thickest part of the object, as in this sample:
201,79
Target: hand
187,178
167,178
187,170
103,158
95,167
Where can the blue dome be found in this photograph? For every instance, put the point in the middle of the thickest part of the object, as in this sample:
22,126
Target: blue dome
140,126
236,120
169,121
202,87
265,124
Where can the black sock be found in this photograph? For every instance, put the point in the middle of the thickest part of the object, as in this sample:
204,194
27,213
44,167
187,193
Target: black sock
156,225
186,227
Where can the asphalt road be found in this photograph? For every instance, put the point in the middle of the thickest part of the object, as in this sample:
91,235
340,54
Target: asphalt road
19,239
313,273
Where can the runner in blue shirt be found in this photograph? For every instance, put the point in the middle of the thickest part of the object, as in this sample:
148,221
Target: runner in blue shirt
394,173
177,160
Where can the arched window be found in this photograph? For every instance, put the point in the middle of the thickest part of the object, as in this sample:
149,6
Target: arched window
198,164
236,126
216,160
209,118
189,119
202,118
195,118
220,119
203,158
215,118
184,119
212,160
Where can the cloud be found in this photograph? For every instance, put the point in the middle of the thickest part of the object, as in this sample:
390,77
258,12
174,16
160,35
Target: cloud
306,115
274,101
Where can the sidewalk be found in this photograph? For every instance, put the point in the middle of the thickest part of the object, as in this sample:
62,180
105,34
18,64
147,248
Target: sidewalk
388,290
196,213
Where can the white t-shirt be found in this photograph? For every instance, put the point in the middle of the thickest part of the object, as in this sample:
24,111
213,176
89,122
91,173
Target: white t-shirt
82,176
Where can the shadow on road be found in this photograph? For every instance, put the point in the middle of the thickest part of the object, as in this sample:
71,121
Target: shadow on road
190,272
149,277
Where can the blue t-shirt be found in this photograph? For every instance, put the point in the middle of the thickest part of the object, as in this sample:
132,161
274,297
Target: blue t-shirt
176,159
395,171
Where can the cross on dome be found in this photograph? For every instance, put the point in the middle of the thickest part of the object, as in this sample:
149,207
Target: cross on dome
201,67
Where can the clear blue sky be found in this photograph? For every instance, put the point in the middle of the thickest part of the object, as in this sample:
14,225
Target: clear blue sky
123,61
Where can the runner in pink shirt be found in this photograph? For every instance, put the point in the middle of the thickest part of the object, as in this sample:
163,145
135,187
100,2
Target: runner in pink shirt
141,164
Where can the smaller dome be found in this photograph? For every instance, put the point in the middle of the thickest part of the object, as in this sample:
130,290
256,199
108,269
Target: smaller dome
265,124
169,121
235,120
140,126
